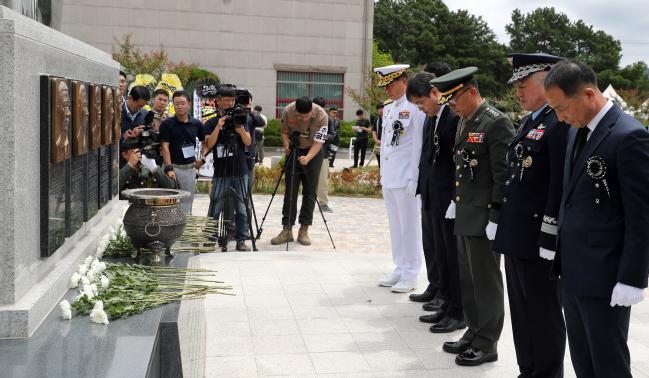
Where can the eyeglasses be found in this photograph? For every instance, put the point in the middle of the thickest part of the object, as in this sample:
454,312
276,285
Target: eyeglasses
453,101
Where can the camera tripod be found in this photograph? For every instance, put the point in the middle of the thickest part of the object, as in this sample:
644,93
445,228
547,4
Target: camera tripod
229,196
291,161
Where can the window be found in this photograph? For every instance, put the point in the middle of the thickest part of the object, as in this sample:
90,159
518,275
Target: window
292,85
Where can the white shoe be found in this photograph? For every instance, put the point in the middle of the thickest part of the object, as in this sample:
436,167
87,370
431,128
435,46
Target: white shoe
389,281
403,287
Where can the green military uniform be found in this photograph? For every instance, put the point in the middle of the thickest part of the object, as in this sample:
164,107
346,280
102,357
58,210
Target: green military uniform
479,155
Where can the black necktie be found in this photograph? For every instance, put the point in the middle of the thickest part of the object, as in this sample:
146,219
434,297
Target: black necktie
580,142
431,130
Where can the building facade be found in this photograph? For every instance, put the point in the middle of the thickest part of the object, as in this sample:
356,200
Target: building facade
278,49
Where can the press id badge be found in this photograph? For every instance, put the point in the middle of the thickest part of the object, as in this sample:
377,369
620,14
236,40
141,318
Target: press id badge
188,151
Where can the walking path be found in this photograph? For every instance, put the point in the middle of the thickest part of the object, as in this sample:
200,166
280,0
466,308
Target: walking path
314,311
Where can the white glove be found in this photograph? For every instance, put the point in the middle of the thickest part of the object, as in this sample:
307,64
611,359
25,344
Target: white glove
491,230
411,189
149,163
546,254
625,295
450,212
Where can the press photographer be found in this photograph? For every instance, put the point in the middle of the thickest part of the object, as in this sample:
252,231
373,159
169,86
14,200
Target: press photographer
228,137
307,122
178,136
254,120
140,170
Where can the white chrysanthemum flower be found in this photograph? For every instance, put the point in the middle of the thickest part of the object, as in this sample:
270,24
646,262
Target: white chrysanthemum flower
104,281
83,269
99,316
74,280
99,305
94,289
88,292
88,260
98,266
84,281
77,297
66,310
92,274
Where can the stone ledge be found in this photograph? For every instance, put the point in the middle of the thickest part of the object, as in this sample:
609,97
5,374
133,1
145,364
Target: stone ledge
22,318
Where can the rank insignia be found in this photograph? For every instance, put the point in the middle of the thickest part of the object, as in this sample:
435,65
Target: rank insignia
405,114
535,134
475,138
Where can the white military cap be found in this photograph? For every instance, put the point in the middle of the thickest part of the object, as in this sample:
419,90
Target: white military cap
388,74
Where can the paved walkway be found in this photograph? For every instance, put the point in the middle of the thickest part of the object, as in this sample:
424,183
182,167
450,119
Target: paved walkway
314,311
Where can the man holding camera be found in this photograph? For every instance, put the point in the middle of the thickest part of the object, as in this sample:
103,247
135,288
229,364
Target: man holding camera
304,131
259,136
228,137
178,136
140,171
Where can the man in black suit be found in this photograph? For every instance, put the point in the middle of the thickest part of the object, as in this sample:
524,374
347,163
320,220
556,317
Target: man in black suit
527,230
435,185
603,243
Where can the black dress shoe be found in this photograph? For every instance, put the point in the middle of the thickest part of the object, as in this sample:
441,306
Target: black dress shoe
447,324
426,296
456,347
435,304
432,318
475,357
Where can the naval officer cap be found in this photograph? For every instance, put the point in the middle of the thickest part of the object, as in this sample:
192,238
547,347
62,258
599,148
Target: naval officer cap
451,83
529,64
390,73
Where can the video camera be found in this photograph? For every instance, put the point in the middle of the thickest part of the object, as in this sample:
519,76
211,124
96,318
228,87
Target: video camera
148,141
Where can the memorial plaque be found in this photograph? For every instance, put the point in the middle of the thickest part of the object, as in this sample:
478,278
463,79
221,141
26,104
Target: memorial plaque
55,163
79,161
95,117
117,136
107,111
105,170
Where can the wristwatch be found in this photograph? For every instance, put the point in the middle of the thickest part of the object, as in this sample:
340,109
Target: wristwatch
169,168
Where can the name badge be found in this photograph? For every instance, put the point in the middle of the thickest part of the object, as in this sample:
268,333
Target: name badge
188,151
475,138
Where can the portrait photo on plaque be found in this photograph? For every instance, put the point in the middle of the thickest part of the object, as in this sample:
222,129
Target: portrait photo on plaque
107,112
59,120
94,123
80,118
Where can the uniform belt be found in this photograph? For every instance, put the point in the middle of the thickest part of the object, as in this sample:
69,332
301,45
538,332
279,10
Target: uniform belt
184,166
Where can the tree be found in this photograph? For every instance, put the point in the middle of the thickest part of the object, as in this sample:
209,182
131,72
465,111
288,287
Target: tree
545,30
422,31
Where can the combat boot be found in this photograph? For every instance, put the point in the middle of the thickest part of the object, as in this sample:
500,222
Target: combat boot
284,237
303,235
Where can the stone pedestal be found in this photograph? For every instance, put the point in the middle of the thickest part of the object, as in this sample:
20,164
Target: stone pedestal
31,284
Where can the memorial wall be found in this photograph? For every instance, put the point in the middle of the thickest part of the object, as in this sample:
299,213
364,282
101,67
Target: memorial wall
58,193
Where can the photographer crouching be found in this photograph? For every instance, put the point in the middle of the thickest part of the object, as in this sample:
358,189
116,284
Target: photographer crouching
140,170
228,137
178,136
304,130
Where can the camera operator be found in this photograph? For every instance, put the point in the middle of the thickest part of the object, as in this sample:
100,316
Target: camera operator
259,136
141,171
159,108
228,137
306,124
254,120
178,136
133,113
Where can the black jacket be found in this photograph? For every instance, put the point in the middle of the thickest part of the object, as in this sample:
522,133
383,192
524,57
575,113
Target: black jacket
600,245
436,166
530,208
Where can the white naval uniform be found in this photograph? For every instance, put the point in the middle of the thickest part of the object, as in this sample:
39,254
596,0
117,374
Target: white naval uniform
400,165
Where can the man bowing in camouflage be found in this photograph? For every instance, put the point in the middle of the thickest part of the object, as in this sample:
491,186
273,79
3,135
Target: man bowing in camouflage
480,147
